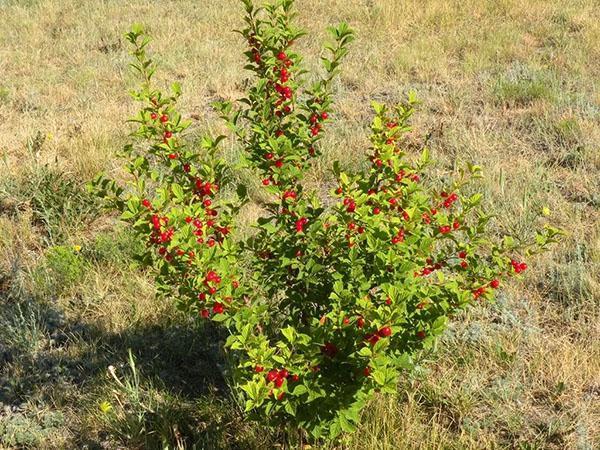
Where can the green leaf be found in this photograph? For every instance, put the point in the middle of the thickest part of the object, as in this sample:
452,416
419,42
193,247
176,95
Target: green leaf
177,191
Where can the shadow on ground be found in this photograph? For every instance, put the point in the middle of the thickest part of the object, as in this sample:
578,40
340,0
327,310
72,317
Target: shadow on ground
46,359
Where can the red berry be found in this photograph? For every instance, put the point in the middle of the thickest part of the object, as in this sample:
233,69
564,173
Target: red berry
153,116
280,396
259,369
168,135
207,202
204,313
283,373
462,254
295,378
266,182
376,210
373,338
329,349
146,203
421,334
272,375
495,284
279,382
445,229
346,321
279,164
456,225
281,56
164,118
172,155
218,308
360,322
324,115
464,264
385,332
366,371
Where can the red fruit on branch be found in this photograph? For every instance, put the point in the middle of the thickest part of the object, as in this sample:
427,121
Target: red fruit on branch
494,284
272,375
445,229
329,349
385,332
258,369
164,118
281,56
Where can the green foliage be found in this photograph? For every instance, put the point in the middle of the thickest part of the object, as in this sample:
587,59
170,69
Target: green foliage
116,247
61,269
522,86
59,204
20,431
325,305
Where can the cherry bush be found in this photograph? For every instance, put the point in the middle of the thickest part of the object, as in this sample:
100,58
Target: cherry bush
328,300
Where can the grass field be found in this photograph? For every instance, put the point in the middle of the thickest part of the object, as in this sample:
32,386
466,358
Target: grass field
511,85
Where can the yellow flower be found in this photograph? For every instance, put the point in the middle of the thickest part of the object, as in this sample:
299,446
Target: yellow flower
77,248
546,211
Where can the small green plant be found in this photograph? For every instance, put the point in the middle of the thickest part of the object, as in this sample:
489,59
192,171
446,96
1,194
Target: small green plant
61,268
325,305
18,430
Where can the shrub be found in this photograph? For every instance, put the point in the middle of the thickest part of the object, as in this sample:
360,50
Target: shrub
325,305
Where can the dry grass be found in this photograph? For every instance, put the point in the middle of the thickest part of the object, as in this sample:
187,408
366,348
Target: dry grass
511,85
